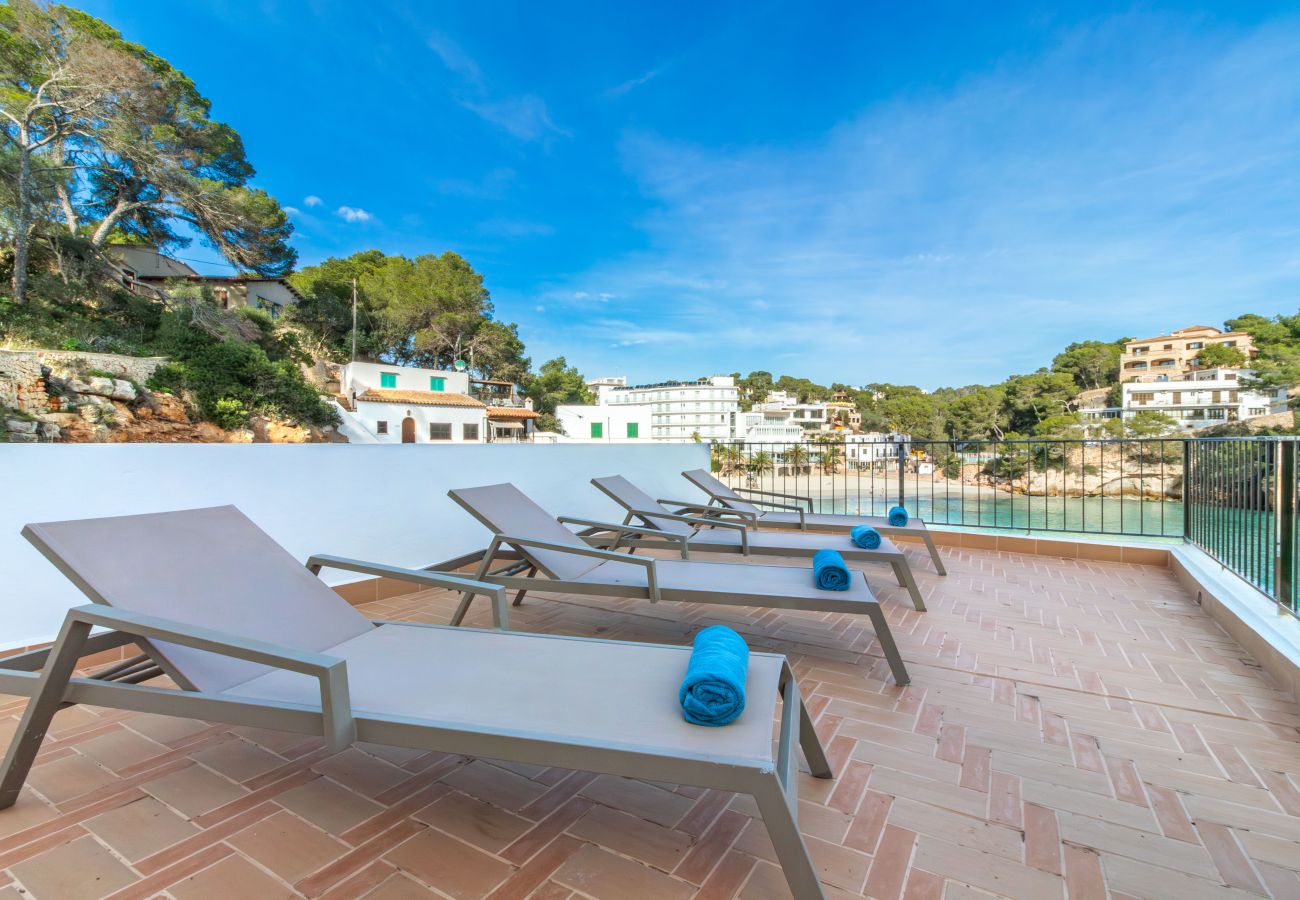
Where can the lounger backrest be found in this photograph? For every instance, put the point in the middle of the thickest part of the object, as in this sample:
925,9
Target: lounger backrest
506,510
706,482
211,568
630,497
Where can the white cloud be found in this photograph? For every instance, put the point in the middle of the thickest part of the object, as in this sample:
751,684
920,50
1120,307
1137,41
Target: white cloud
632,84
312,200
524,115
964,235
291,210
540,308
354,214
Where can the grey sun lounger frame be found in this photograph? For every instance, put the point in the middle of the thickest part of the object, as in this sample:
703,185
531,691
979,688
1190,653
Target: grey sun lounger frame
547,556
668,530
755,507
198,657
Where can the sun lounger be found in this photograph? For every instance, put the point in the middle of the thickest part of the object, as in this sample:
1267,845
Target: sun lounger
755,508
555,559
685,533
254,638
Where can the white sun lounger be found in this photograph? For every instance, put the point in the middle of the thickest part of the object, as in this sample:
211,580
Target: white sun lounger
686,533
755,508
253,638
570,565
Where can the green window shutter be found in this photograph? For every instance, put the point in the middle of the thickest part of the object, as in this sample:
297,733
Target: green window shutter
437,384
597,430
387,379
633,429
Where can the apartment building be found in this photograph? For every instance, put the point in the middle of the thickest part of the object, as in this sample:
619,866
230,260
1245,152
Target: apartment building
1202,398
1170,356
810,417
682,410
768,426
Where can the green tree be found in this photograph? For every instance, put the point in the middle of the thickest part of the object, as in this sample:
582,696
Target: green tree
912,413
831,459
556,384
1214,356
326,308
1033,398
978,414
1150,423
134,137
1092,364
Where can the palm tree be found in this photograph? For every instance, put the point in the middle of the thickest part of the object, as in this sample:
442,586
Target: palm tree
796,458
729,459
831,458
760,463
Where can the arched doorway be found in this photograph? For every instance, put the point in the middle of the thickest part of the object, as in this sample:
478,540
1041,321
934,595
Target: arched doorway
408,430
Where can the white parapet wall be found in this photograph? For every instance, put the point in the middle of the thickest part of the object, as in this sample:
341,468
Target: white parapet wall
379,502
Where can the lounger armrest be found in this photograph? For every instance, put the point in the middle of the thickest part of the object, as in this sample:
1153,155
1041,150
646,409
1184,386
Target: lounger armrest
800,497
330,671
774,504
646,562
683,539
697,521
713,512
500,605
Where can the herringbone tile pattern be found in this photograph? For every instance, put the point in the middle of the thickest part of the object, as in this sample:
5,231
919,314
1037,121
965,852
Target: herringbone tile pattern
1072,729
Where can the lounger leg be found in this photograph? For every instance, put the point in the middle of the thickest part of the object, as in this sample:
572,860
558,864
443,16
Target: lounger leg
934,552
519,597
886,638
778,815
45,702
904,572
811,744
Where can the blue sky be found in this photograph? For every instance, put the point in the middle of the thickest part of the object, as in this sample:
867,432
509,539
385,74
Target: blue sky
938,194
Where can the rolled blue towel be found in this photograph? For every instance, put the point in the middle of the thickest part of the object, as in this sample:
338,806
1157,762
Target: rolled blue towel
713,692
898,517
865,537
830,571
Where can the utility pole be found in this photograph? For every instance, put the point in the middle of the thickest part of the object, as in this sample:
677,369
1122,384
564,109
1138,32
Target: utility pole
354,320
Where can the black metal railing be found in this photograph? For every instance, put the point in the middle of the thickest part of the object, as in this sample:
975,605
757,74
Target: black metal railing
1235,498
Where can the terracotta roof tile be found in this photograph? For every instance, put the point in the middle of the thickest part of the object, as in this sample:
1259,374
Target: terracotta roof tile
510,412
418,398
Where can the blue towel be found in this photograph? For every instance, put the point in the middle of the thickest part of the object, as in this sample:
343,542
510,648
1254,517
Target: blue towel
865,537
713,692
830,571
898,517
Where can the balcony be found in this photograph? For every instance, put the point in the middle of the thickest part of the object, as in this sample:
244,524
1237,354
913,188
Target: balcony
1078,723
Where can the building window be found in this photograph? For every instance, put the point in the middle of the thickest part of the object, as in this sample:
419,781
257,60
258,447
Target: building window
388,379
1216,413
381,428
222,296
468,431
439,431
1195,345
633,429
597,429
1169,346
437,384
1143,397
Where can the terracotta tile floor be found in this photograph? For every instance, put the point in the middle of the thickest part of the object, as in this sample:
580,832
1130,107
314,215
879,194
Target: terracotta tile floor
1072,728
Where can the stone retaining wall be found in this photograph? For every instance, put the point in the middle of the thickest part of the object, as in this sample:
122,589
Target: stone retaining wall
136,368
21,385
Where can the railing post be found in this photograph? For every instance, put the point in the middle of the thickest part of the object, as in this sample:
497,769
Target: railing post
1187,493
902,486
1284,511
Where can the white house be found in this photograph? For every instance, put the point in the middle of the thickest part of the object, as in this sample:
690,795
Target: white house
609,424
862,450
1199,399
768,426
815,416
398,404
682,411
